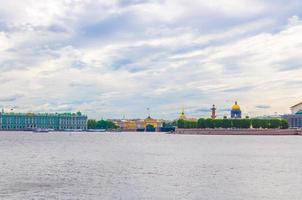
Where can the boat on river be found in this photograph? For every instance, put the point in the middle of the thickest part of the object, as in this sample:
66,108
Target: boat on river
40,130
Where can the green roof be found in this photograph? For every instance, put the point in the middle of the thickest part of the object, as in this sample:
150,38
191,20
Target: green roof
42,114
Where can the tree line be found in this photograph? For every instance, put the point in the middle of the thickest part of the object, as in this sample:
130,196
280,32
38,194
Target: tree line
101,124
234,123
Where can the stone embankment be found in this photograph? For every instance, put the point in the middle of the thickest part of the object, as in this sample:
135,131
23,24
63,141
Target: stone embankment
239,131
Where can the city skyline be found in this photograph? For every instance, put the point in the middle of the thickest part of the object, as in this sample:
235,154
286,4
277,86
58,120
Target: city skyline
118,58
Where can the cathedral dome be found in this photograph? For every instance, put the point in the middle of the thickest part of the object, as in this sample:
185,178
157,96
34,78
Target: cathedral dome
236,106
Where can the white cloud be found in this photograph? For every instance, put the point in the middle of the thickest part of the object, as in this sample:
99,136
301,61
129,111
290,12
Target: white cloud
167,53
5,42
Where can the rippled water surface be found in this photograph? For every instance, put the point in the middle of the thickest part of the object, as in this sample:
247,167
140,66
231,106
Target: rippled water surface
149,166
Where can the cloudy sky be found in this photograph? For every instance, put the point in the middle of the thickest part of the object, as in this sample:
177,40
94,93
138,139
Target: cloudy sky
116,58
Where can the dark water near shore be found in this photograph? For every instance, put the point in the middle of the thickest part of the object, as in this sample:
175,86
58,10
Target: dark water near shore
149,166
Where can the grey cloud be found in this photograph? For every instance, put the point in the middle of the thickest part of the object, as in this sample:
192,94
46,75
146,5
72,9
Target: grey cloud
263,106
10,98
78,64
57,29
208,110
290,64
203,110
224,109
133,2
78,84
239,89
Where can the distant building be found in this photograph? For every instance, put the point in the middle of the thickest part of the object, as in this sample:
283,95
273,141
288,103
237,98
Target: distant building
153,122
138,124
184,117
129,125
295,119
236,111
55,121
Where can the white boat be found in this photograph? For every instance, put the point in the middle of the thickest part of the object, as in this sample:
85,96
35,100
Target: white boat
40,130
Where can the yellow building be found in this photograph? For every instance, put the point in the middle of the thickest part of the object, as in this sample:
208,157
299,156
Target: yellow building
137,124
153,122
140,124
129,124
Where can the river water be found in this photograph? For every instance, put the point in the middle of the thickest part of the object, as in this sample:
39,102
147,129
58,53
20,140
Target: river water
149,166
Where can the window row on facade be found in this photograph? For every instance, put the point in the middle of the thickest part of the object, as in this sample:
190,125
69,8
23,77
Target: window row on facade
16,122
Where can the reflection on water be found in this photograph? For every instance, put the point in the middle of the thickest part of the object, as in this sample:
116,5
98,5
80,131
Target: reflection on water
149,166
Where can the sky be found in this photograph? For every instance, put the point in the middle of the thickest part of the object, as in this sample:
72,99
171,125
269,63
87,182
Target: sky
115,59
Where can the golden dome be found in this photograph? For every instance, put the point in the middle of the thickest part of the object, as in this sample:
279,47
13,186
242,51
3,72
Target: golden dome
236,106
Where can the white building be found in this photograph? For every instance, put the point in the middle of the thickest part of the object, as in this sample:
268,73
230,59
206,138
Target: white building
296,108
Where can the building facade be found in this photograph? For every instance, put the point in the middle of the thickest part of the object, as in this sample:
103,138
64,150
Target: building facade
295,119
236,111
138,124
54,121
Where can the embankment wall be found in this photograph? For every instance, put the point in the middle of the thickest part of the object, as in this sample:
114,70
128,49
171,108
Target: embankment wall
239,131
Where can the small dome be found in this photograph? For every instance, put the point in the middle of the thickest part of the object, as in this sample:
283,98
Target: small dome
236,106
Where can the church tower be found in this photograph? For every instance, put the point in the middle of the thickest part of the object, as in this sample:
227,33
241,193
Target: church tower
236,111
182,114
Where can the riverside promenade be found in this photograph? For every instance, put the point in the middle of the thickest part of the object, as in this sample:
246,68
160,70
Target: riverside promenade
239,131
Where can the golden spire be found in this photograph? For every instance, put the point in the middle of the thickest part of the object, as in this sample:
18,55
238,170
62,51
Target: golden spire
182,115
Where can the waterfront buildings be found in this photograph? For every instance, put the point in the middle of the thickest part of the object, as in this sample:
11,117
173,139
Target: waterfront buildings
295,118
30,121
138,124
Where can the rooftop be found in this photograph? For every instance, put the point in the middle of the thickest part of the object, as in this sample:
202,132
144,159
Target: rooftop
43,114
298,104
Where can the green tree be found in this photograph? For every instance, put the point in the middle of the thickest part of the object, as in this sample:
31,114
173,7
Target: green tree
209,123
218,123
101,124
105,124
246,123
201,123
190,124
274,123
236,123
193,124
256,123
186,124
264,123
226,123
91,124
284,124
181,123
